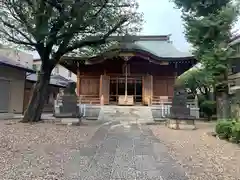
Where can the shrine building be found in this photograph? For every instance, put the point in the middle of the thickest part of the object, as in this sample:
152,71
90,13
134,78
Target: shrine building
140,70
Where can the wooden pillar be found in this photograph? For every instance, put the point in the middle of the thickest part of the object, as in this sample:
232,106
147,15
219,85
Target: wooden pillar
150,86
167,83
126,81
104,89
101,91
101,88
176,70
78,80
147,89
135,90
151,90
117,81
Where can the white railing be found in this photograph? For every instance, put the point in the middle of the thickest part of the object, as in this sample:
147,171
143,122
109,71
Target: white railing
164,109
194,109
58,104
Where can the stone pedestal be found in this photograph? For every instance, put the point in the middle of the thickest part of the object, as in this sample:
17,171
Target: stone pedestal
180,124
68,107
179,112
92,112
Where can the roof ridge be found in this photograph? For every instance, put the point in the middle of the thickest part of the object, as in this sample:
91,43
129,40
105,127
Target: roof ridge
132,38
155,37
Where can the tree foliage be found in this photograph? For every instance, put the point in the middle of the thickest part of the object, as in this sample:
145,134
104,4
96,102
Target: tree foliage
59,27
208,107
208,27
197,81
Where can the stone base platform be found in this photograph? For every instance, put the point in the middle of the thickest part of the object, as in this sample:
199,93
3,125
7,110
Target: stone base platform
180,124
89,112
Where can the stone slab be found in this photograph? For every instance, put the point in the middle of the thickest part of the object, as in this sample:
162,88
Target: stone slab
92,112
69,120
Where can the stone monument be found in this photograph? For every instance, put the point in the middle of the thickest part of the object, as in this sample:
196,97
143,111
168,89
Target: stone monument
68,103
179,111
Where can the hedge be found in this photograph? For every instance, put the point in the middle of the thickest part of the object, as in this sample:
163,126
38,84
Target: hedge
230,130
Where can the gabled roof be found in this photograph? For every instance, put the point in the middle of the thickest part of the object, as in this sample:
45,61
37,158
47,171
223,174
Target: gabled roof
11,63
155,49
158,48
56,80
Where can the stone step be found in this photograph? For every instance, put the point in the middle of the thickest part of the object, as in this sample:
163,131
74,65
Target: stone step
130,114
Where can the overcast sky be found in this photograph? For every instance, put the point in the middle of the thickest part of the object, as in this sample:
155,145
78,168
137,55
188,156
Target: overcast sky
162,18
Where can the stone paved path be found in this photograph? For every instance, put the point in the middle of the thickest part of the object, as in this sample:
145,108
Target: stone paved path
123,150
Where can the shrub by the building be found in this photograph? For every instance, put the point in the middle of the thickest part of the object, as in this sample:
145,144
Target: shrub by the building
208,107
229,130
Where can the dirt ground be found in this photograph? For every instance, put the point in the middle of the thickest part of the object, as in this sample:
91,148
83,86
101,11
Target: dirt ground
39,151
203,156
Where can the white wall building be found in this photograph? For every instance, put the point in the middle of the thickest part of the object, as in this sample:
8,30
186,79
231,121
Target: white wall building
13,67
58,70
20,57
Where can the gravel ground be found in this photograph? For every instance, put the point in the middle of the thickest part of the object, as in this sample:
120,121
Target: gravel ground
204,157
39,151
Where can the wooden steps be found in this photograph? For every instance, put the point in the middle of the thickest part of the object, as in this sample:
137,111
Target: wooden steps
158,100
90,100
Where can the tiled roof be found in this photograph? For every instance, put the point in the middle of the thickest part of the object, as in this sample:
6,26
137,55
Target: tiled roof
11,63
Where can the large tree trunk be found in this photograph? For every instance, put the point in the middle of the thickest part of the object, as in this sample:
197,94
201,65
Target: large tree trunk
222,98
35,106
223,105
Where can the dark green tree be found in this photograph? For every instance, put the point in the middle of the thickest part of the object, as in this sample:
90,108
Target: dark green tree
59,27
208,27
197,81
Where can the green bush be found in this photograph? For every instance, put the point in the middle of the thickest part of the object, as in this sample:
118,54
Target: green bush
230,130
235,135
208,108
224,129
201,98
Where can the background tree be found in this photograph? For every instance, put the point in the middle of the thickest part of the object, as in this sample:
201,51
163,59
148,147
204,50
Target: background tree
208,27
58,27
197,81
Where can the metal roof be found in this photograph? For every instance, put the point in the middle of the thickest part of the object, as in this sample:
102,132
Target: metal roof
235,40
56,80
161,49
157,47
11,63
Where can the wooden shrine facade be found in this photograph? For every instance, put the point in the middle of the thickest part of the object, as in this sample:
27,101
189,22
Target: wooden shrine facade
142,71
127,80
